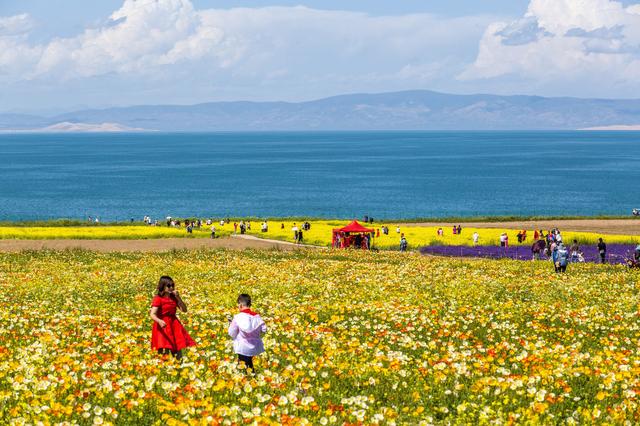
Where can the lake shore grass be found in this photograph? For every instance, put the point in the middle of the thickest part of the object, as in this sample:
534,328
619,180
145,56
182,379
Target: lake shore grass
64,222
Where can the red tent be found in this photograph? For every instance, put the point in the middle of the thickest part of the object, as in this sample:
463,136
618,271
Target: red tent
343,238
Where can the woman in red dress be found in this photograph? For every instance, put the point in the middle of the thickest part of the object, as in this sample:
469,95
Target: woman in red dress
168,334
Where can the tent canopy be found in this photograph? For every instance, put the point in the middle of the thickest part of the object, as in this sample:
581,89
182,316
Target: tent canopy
353,227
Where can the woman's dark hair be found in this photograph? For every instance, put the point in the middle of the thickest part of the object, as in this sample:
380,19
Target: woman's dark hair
244,299
165,281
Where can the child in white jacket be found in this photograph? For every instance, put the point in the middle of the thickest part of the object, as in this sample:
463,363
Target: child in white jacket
246,330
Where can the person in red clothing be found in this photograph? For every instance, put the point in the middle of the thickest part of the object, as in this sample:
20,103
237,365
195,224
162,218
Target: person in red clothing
168,334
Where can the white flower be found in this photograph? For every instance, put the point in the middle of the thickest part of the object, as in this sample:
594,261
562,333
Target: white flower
150,382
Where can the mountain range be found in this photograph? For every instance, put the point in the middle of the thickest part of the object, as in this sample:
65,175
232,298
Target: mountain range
407,110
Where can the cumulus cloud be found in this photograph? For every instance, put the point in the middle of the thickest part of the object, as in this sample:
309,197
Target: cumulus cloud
557,42
171,37
141,35
16,55
15,25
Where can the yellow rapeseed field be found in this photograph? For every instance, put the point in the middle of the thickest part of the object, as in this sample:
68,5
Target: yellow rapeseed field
354,338
319,234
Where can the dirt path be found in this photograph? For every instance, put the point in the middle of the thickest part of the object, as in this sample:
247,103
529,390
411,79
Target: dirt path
609,226
164,244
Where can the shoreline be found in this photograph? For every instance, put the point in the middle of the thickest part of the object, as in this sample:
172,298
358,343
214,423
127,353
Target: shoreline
433,221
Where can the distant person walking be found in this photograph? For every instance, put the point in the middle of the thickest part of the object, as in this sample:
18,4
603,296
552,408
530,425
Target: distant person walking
602,250
504,240
476,238
538,248
560,258
403,243
574,251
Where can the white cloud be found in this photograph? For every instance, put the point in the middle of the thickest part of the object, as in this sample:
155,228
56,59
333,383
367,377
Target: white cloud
140,35
171,37
15,25
16,55
571,43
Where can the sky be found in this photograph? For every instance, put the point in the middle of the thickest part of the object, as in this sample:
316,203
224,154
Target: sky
73,54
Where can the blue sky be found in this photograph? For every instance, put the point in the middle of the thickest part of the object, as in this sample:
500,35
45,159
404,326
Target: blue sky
67,54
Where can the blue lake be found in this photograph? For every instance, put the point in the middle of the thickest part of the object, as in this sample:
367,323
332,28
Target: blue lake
323,174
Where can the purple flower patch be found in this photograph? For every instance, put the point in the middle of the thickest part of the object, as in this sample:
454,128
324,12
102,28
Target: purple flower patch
616,253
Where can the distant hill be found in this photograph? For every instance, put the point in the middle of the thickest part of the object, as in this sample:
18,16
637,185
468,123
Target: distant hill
89,127
408,110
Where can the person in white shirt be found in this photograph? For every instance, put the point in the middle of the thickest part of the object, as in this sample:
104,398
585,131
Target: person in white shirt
476,237
246,329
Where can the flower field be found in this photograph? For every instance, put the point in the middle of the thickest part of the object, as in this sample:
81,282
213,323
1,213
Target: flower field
96,232
354,337
616,253
319,234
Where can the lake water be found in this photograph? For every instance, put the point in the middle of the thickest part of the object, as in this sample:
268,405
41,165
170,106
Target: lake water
325,174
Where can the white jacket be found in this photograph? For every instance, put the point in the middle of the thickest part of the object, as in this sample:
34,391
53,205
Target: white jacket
246,330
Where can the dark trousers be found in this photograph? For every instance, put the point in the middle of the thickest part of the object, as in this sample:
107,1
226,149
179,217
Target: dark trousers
602,258
248,360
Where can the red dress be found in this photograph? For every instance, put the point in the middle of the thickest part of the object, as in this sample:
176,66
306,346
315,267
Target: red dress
173,336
